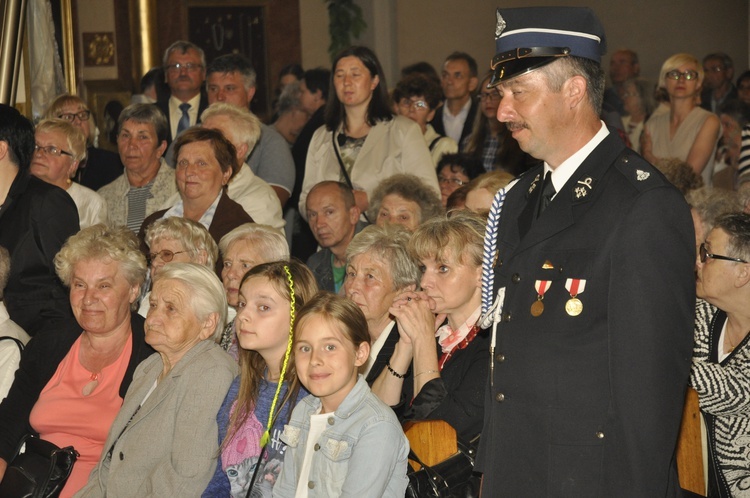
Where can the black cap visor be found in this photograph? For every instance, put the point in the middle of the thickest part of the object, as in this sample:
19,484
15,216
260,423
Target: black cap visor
521,61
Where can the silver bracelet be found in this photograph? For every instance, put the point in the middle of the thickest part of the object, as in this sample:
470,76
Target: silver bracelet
427,372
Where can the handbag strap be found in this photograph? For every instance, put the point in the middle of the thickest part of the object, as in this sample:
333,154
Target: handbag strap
343,169
434,476
18,343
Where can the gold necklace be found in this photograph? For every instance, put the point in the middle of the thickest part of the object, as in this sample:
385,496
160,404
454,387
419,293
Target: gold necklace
732,346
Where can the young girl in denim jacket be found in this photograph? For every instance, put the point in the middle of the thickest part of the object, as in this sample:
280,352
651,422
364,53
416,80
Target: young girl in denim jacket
342,440
261,398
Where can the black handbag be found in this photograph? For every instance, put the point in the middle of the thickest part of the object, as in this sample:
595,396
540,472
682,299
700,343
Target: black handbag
453,477
40,471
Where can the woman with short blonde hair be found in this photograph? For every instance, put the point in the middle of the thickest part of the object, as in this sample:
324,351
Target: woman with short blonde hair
60,149
443,379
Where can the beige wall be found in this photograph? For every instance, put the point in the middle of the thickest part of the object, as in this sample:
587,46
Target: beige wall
431,29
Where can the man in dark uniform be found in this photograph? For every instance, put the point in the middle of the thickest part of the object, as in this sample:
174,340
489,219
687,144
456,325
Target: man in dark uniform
592,283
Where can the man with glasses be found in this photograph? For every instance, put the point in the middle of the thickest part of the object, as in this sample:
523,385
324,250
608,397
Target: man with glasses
718,87
589,265
185,72
417,97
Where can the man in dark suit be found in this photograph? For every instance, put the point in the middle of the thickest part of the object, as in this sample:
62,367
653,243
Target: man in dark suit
185,72
590,268
455,118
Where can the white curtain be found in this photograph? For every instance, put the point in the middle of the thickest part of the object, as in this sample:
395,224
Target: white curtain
47,79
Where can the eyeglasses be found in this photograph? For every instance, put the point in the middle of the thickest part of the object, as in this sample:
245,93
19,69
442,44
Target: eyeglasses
715,69
190,66
71,116
51,150
456,181
165,254
412,104
676,75
489,96
704,254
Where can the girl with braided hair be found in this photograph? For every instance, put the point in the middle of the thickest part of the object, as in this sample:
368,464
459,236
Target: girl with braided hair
262,397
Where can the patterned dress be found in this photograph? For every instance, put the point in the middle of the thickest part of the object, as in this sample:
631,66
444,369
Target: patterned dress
724,395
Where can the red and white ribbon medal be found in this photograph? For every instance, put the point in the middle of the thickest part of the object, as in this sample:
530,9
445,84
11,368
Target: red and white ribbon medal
541,287
575,286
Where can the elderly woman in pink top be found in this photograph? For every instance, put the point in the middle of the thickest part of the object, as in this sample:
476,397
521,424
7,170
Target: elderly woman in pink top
72,379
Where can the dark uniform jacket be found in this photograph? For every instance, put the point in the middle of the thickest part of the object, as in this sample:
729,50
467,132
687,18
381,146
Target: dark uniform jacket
590,405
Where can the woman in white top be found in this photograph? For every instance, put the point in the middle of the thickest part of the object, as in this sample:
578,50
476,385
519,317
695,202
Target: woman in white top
361,134
60,148
687,131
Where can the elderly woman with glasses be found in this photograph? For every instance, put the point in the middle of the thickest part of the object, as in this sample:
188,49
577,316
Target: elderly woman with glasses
378,268
60,148
206,161
721,358
99,167
164,441
179,240
687,131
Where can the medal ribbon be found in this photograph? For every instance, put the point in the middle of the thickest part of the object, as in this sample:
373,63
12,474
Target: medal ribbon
542,286
575,286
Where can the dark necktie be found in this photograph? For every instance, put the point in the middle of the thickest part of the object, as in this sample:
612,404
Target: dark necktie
548,192
184,122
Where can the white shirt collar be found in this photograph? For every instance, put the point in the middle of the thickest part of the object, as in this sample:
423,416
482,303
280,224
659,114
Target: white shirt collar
562,173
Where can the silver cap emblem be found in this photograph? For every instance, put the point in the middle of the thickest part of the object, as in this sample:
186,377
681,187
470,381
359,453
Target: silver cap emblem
500,27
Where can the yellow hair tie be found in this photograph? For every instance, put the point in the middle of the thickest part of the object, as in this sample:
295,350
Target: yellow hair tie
267,434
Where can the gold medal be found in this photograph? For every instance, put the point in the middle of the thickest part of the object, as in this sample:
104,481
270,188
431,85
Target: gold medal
537,308
574,306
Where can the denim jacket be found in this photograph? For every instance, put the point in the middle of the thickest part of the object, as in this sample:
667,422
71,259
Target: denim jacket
362,453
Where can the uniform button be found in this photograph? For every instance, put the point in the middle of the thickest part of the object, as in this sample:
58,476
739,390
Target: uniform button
515,278
499,397
122,457
600,435
560,269
500,358
330,421
316,447
506,316
499,263
625,159
311,485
